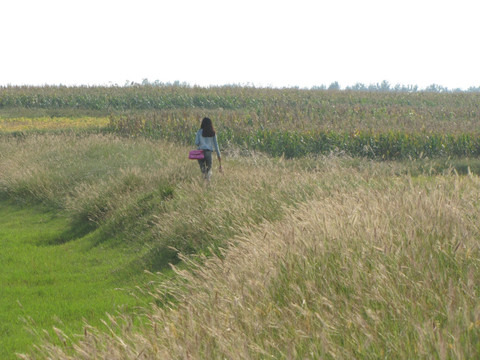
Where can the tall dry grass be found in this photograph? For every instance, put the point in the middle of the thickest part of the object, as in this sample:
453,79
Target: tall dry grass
147,193
371,265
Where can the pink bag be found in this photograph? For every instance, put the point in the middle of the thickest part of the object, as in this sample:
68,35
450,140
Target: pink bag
196,155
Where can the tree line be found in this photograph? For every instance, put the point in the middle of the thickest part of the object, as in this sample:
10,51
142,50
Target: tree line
377,87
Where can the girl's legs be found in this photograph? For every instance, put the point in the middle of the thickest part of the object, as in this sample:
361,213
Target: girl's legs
206,164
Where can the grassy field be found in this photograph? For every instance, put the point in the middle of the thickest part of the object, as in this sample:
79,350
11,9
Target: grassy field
376,267
335,257
308,254
328,258
123,205
25,124
50,279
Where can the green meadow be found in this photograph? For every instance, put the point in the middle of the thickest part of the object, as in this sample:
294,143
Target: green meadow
52,278
344,225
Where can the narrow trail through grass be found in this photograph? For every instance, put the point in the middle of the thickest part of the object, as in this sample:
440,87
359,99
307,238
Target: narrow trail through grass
47,281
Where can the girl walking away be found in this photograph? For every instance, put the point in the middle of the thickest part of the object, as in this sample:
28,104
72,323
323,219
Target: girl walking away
206,140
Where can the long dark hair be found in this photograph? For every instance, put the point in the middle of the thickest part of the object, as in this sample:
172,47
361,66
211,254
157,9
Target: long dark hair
207,127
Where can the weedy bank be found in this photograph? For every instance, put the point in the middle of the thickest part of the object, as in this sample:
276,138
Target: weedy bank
118,207
329,258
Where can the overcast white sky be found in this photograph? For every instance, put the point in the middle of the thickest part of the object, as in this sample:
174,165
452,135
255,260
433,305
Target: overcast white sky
261,42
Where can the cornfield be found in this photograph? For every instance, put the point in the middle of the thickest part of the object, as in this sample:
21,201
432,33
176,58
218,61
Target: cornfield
285,139
289,122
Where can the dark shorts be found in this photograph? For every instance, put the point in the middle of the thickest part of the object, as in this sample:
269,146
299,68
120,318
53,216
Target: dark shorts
206,162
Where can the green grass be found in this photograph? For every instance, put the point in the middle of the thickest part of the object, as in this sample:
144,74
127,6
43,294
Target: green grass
47,281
